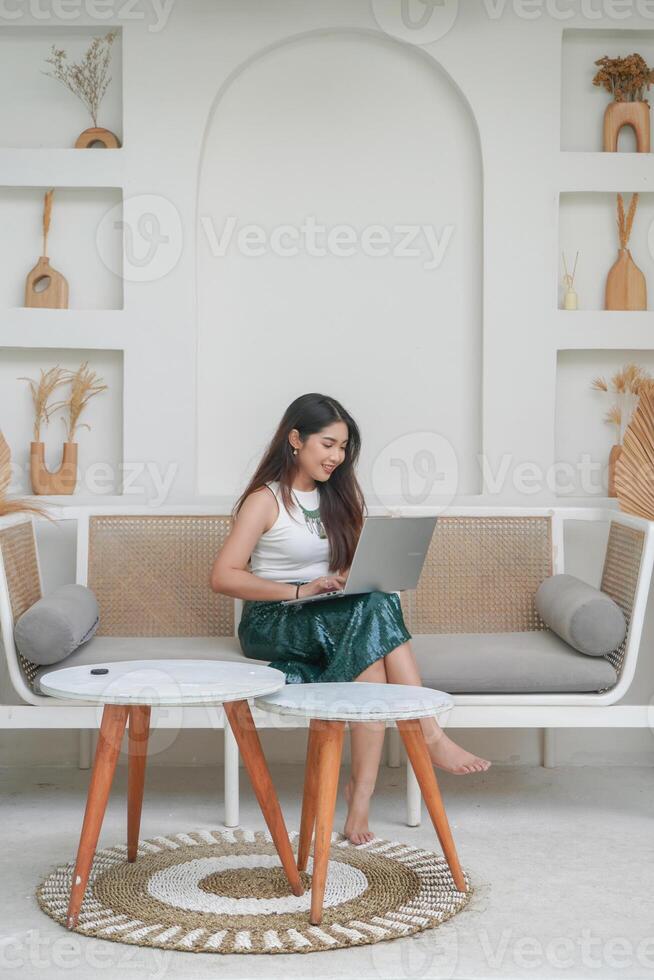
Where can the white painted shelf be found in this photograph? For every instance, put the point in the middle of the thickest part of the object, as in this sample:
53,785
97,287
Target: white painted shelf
604,329
96,329
51,167
600,171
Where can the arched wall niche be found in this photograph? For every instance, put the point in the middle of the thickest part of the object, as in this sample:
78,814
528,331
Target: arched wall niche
371,140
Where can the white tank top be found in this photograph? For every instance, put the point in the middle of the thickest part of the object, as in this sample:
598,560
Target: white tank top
290,551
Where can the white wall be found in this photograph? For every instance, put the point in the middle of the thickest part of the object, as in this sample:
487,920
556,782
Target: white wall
272,110
377,140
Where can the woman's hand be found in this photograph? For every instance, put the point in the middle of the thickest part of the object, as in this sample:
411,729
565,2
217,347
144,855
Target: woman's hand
326,583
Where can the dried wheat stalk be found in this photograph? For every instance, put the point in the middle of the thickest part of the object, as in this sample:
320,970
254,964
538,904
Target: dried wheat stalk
624,227
47,214
633,204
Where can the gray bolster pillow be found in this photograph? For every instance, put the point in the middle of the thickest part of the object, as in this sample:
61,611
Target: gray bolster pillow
57,624
586,618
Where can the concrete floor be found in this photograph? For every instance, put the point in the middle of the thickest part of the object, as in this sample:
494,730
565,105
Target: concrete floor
562,861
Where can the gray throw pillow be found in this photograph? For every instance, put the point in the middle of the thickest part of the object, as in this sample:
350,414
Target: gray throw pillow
586,618
57,624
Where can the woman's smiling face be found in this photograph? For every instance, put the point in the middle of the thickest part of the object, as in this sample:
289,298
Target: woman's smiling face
322,451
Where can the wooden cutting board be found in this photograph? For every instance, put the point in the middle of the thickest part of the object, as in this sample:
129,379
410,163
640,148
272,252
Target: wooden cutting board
45,288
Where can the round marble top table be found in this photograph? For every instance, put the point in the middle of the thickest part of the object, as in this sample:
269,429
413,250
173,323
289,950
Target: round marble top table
128,690
328,707
164,682
356,702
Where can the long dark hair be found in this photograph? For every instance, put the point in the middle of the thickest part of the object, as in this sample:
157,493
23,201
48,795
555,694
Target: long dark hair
342,503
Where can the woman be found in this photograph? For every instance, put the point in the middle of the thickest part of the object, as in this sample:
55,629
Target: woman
298,523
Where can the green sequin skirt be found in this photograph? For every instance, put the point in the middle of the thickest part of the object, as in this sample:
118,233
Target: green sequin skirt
328,641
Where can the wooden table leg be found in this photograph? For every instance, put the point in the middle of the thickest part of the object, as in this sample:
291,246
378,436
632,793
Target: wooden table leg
138,734
308,818
418,753
114,719
329,748
247,738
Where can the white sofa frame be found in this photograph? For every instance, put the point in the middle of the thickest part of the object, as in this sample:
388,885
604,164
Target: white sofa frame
543,711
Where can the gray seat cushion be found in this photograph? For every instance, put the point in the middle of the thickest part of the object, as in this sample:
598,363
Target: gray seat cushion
459,663
110,649
534,662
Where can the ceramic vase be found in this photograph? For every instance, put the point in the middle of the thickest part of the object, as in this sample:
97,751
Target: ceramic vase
62,480
96,134
626,288
634,114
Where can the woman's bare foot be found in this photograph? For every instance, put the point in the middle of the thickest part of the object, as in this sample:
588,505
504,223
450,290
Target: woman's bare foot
356,824
447,755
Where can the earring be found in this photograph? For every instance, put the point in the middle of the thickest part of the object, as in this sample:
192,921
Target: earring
295,452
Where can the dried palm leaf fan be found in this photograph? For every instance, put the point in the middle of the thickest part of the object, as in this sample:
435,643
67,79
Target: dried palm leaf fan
634,470
17,506
45,288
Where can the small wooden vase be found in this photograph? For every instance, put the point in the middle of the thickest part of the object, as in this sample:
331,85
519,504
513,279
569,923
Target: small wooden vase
626,288
107,139
619,114
614,455
54,295
63,480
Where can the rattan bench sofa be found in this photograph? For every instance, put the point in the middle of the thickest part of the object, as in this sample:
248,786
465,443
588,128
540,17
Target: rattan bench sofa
476,632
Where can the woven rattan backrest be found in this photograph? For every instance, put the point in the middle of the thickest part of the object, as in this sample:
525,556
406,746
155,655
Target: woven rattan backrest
480,576
150,574
624,551
22,573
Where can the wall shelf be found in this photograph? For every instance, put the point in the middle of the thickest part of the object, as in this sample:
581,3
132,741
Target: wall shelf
609,329
24,327
100,452
85,243
605,172
592,342
587,222
51,115
48,167
582,103
580,428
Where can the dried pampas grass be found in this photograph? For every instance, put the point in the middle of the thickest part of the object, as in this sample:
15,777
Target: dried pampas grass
41,393
627,384
85,384
634,469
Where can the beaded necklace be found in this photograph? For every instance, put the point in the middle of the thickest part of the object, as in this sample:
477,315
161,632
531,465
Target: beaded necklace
312,519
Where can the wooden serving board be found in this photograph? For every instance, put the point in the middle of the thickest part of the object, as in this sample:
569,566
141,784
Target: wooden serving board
53,295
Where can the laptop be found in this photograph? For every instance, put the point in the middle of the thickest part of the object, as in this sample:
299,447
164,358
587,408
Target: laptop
389,557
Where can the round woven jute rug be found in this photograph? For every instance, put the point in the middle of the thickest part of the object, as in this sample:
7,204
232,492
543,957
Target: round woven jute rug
217,891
